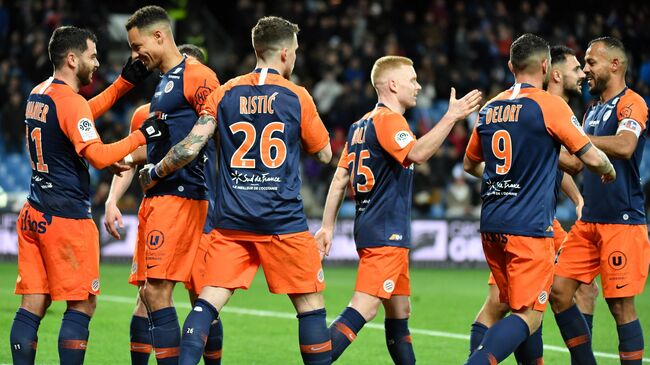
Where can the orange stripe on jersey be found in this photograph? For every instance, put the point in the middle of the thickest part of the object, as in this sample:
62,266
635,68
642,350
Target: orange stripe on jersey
632,106
316,348
139,116
344,161
199,81
393,133
212,355
341,327
576,341
165,352
74,344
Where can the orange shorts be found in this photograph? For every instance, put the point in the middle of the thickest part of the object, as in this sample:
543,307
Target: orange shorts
196,282
172,231
57,256
291,262
559,235
619,252
384,271
522,268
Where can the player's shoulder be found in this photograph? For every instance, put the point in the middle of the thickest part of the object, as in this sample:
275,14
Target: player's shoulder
631,97
299,91
194,68
548,101
386,115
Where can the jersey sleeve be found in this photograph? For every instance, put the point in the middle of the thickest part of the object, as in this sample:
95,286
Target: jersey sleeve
101,103
344,161
562,125
632,113
313,133
139,116
77,122
212,101
394,136
474,151
198,83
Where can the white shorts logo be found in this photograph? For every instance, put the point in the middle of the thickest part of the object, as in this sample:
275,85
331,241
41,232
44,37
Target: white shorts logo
543,296
403,138
169,86
389,286
134,267
86,129
95,285
320,276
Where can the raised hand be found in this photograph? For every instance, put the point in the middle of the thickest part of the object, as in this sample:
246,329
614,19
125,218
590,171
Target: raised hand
134,71
460,109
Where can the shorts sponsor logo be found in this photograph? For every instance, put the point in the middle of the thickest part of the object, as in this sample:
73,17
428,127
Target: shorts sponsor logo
617,260
169,86
618,286
155,239
320,276
134,267
403,138
389,286
95,285
28,223
543,297
86,129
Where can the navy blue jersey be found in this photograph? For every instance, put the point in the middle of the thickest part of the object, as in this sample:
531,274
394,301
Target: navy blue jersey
518,135
381,178
262,120
210,163
59,125
179,97
621,201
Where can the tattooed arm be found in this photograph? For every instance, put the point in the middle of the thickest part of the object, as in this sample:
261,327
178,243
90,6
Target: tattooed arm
181,154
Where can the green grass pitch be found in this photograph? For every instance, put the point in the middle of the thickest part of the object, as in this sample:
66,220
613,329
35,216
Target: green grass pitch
260,328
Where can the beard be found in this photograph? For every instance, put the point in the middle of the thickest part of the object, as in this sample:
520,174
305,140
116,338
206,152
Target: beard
600,83
572,92
85,73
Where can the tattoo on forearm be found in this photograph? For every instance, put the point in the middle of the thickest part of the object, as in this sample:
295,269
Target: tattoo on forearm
183,153
205,119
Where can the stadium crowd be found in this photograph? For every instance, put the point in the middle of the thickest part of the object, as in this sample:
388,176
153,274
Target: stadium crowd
460,43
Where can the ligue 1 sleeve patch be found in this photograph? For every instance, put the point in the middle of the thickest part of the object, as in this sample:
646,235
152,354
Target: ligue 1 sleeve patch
86,130
630,125
403,138
576,123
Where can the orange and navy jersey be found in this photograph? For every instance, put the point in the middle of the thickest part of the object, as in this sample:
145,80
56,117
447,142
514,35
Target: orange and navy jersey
59,126
178,99
210,161
262,121
622,201
381,178
518,135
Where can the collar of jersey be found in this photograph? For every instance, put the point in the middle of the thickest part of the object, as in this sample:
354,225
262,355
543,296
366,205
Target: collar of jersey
612,98
177,66
524,85
270,70
57,81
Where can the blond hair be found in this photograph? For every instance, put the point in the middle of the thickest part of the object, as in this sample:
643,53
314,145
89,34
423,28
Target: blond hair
387,63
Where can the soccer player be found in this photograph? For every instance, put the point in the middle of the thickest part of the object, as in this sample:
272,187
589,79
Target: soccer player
58,242
377,161
140,327
174,211
611,238
565,81
263,119
514,148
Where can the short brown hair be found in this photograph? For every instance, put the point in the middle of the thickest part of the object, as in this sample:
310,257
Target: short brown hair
66,39
270,32
147,16
386,63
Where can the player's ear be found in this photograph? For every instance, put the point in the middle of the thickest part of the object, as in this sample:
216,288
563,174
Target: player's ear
158,35
615,64
283,54
510,67
72,59
392,85
556,76
545,66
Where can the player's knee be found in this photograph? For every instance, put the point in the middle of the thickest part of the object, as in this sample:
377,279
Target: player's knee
560,299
